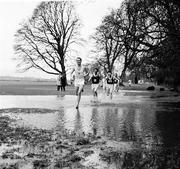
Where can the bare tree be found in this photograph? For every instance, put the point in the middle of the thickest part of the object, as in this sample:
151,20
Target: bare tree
107,48
47,39
114,38
126,27
139,34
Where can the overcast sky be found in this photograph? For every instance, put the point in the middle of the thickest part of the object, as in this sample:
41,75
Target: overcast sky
13,12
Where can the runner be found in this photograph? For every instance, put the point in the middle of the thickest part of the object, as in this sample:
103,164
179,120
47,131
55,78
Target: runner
116,82
110,84
104,83
120,84
95,79
79,79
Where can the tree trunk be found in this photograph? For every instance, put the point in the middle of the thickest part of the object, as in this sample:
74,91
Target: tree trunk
63,72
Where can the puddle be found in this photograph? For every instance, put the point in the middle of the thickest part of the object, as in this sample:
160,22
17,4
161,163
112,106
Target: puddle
128,131
67,101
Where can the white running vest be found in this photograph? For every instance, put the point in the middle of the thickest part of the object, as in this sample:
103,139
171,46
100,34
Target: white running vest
79,73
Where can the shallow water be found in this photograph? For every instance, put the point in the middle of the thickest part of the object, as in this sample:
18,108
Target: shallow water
56,102
138,122
124,118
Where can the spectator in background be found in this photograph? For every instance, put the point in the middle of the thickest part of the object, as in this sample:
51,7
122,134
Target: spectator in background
59,82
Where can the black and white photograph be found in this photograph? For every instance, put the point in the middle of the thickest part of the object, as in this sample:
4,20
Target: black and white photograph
90,84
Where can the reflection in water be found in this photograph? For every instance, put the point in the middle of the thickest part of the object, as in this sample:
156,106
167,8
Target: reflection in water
128,129
78,129
168,123
153,129
161,159
94,120
148,125
147,131
60,128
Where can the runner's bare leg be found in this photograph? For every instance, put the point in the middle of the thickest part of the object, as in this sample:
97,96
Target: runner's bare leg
94,93
77,89
79,96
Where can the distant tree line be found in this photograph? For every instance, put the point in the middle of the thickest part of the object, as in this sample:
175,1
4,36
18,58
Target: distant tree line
145,34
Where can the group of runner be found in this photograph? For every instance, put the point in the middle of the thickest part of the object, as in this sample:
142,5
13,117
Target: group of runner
109,82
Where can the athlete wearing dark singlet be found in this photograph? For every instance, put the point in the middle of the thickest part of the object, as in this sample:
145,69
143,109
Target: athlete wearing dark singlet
116,81
110,84
110,80
95,79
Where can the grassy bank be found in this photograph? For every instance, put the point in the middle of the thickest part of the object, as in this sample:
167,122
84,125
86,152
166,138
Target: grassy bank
34,88
49,88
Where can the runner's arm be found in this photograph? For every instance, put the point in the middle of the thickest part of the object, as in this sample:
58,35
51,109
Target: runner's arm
116,78
72,72
85,72
89,78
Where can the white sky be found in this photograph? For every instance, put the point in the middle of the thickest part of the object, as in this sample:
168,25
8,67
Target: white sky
12,13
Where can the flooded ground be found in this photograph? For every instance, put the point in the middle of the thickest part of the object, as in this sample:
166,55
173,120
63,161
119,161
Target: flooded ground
133,130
